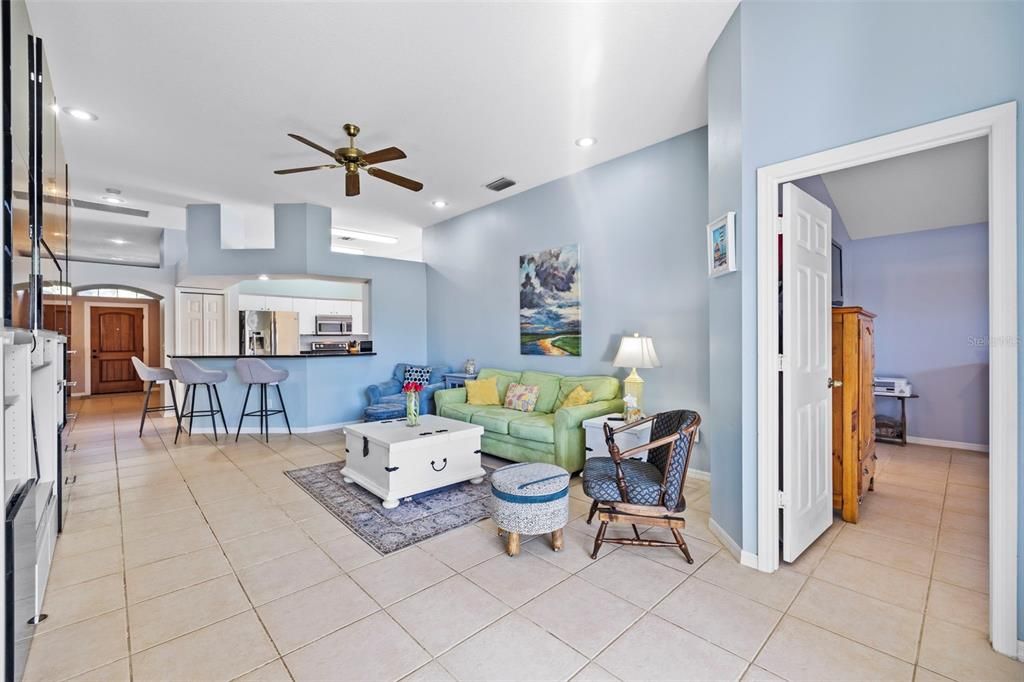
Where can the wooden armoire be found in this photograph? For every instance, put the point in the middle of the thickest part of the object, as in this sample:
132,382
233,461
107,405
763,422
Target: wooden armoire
853,409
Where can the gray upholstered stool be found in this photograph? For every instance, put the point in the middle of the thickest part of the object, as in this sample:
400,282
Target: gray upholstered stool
155,375
530,499
194,376
255,371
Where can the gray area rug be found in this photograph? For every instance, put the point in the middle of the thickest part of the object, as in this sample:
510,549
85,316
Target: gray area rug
416,519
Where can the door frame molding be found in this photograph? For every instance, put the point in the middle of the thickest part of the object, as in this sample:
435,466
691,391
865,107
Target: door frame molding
87,333
999,125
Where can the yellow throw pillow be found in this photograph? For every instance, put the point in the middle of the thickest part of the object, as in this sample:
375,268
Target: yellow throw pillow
578,396
482,392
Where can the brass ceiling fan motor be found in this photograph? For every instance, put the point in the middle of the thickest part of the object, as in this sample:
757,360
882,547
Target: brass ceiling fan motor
353,159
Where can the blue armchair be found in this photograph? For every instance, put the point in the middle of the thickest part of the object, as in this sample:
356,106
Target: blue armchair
390,392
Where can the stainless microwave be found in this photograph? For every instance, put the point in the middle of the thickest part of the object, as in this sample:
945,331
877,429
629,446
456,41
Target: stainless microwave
333,325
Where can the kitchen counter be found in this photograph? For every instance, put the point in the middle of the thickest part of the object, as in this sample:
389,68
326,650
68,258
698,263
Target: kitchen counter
323,391
311,354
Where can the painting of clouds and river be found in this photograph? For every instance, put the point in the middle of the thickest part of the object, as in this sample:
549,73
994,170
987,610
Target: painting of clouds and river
549,302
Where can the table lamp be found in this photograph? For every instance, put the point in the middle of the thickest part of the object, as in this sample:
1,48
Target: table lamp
635,351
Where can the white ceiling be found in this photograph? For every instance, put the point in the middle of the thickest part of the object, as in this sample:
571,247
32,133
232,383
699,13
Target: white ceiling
194,99
940,187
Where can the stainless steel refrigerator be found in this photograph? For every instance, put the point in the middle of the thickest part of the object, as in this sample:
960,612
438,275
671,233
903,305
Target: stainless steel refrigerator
264,332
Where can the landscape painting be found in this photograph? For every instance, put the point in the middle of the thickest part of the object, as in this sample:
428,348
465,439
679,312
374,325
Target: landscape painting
549,302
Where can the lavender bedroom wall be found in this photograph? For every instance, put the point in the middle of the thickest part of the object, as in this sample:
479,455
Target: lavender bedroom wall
930,292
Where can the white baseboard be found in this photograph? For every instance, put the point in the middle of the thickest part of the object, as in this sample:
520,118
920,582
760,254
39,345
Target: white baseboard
738,553
280,429
956,445
1020,649
699,474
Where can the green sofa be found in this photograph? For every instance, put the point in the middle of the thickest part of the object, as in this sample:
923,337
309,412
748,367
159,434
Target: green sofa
551,433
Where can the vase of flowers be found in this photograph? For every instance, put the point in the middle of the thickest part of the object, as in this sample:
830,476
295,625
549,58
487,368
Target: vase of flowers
412,402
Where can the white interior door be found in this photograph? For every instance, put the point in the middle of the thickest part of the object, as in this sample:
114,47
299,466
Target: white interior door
806,370
190,321
213,324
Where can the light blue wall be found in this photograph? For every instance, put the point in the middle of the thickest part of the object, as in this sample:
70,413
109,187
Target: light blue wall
640,223
725,163
817,75
398,303
930,292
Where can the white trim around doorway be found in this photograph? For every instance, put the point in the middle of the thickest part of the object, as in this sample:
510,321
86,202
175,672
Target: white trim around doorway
999,125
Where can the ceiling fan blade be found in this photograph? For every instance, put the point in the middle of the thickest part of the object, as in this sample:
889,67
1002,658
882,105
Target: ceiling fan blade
382,155
312,144
395,179
352,184
286,171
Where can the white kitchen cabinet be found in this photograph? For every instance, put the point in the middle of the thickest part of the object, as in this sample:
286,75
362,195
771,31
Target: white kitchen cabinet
333,307
251,302
357,318
280,304
306,308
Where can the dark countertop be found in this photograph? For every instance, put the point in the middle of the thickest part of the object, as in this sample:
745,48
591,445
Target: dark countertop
331,354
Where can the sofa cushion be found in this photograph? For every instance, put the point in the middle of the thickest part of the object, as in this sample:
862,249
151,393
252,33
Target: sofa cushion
522,397
548,383
461,411
539,428
578,396
482,392
599,387
416,374
496,419
504,378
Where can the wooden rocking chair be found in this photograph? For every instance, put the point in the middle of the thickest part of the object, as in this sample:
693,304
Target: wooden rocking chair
650,493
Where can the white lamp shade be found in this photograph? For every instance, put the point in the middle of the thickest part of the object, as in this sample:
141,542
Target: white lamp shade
636,351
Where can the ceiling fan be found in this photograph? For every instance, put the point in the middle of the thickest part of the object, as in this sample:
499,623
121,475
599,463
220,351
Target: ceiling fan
353,159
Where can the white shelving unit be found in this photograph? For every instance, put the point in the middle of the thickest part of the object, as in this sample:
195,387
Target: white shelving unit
33,417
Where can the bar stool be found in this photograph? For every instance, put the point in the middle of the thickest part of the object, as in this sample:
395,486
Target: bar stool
255,371
193,376
155,375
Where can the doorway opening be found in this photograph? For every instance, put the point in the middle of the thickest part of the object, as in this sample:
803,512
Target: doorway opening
997,126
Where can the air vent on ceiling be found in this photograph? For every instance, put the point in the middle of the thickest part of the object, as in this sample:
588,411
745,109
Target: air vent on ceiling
500,184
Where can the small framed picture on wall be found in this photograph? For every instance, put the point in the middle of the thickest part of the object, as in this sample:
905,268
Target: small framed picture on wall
722,245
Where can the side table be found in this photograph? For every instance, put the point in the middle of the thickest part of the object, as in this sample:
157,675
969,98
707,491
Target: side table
594,429
889,430
457,379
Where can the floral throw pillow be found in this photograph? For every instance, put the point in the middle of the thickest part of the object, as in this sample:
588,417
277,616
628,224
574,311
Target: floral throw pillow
418,375
522,397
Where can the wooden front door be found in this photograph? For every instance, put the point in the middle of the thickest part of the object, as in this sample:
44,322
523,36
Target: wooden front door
116,335
58,318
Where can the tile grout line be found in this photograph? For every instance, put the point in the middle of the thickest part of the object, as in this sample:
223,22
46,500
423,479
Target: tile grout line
234,573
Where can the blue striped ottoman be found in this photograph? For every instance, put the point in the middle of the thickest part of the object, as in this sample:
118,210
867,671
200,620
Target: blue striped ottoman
382,411
530,499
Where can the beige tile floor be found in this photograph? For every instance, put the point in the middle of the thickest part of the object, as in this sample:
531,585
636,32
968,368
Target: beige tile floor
201,561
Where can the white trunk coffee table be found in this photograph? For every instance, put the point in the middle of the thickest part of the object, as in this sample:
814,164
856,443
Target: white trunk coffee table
393,460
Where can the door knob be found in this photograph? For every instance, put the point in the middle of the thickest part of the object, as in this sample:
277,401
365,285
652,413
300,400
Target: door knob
834,383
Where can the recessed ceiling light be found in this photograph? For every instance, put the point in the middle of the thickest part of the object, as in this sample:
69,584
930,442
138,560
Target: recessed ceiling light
586,142
438,203
80,114
347,249
263,278
111,199
364,236
119,241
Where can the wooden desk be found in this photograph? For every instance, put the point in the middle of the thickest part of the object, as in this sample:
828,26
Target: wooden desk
889,430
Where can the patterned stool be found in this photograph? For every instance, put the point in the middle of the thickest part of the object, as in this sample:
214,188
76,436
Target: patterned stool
530,499
381,411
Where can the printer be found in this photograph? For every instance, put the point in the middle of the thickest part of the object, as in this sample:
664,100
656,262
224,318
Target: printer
897,386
